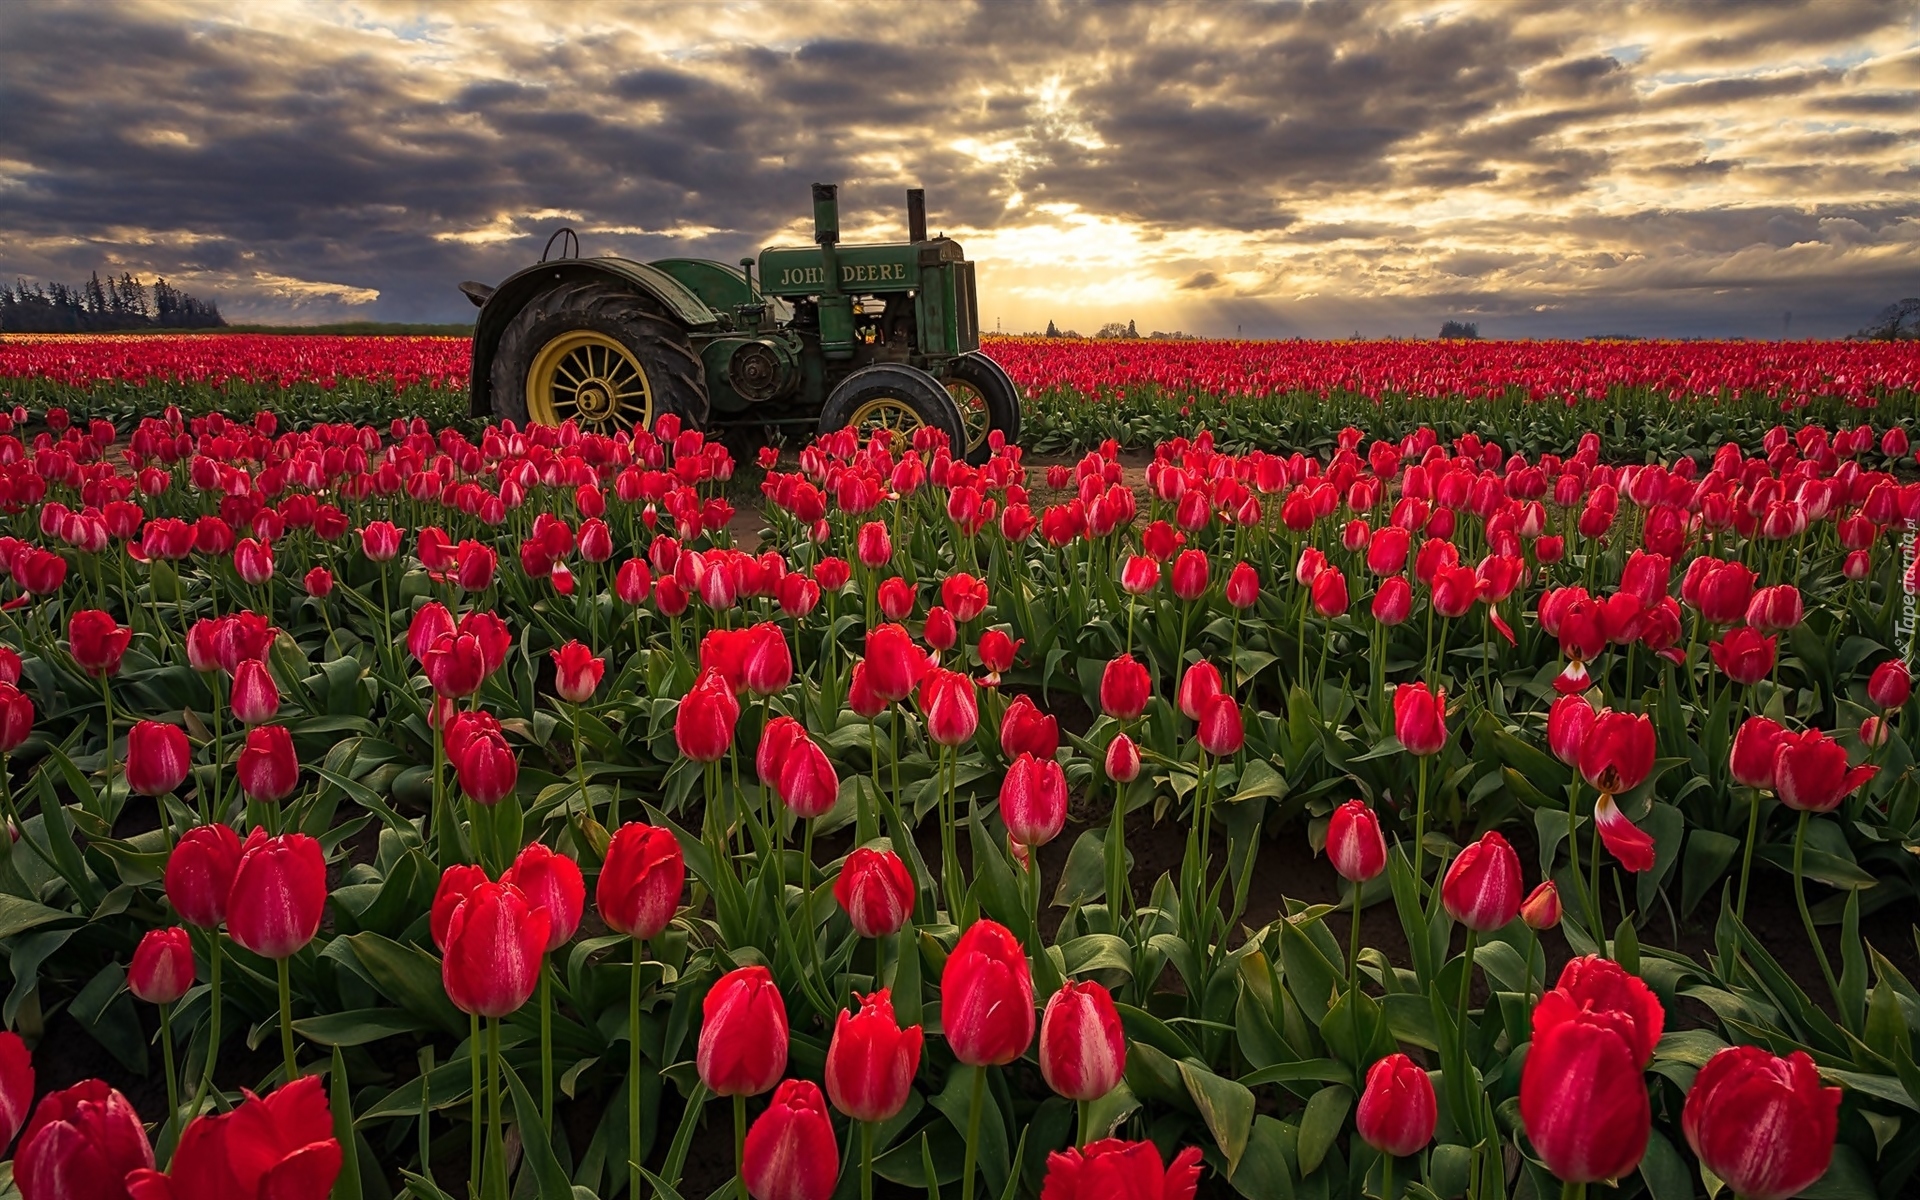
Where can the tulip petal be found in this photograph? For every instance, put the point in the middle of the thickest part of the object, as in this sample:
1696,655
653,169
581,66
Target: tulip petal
1629,843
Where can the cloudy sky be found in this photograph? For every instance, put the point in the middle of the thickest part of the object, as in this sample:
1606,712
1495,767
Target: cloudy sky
1277,168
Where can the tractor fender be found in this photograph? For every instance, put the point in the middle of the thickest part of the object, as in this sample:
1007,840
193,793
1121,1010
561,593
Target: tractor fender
516,290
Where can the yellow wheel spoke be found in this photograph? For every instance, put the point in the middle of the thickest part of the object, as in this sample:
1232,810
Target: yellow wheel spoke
589,377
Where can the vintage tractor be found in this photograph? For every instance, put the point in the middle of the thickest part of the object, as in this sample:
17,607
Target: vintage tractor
880,335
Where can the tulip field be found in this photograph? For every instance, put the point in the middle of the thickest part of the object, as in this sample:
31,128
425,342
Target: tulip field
1323,780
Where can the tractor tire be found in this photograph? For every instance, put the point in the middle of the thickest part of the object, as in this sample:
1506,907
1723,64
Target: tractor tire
674,377
988,380
894,396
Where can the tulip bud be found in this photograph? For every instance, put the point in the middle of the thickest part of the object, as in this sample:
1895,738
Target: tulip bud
495,938
1033,800
1482,889
551,881
986,997
1198,686
941,632
1394,601
16,719
1541,909
82,1143
1420,718
1617,753
947,700
1124,688
1190,572
743,1034
790,1152
1110,1168
871,1060
162,967
1890,684
806,782
279,893
704,724
200,873
255,699
1763,1125
158,758
1398,1110
1083,1050
1122,762
1221,732
1568,723
1584,1101
1025,729
1243,586
1355,845
319,583
268,769
641,880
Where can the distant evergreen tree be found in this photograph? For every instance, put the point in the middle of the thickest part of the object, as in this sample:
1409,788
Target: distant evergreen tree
97,305
1052,329
1131,331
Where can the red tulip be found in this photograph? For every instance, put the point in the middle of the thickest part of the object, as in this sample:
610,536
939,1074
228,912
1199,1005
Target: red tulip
861,697
1243,586
997,652
158,758
1569,722
1083,1050
16,718
895,597
1394,601
790,1152
1541,909
552,881
939,630
640,883
267,769
97,641
766,664
455,665
875,891
1420,718
871,1060
1594,984
254,698
1583,1100
577,672
1627,842
1723,591
1387,551
873,546
1775,608
1874,732
964,595
482,761
1765,1126
277,1148
1743,655
1025,729
743,1034
1398,1110
986,997
1810,772
1190,572
1354,843
894,664
1329,593
253,561
1122,761
1110,1169
475,565
1139,575
1618,752
80,1145
200,873
1890,684
456,884
703,726
494,941
832,574
162,968
596,543
319,583
807,784
380,541
279,893
632,582
1483,888
1124,688
430,624
1198,686
1033,800
16,1086
1221,732
947,700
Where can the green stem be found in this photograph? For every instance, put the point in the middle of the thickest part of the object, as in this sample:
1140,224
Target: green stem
740,1141
496,1139
286,1020
1419,819
1800,898
1353,980
1080,1135
1593,881
866,1160
1573,1191
973,1132
473,1051
1466,988
1386,1177
633,1073
1746,861
546,1045
213,1025
173,1078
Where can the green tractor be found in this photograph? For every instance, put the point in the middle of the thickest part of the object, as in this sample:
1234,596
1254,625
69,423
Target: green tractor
885,335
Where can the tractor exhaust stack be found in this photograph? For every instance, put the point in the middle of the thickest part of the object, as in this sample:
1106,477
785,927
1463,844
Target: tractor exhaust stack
916,214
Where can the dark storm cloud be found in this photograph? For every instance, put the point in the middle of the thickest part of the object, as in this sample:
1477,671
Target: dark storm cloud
300,161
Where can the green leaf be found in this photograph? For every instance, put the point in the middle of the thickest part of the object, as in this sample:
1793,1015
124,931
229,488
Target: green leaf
18,916
1664,1171
1309,975
1550,828
1817,864
347,1185
547,1173
1225,1105
1266,1169
105,1010
1325,1070
1257,780
1084,878
357,1027
1326,1115
410,977
1706,858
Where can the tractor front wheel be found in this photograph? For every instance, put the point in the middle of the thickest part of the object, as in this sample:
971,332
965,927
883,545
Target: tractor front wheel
894,396
987,399
599,355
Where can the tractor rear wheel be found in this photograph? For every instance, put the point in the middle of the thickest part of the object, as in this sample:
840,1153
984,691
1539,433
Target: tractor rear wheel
897,397
602,356
987,400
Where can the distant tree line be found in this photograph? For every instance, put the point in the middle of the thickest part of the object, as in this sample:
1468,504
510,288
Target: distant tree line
98,305
1115,330
1897,322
